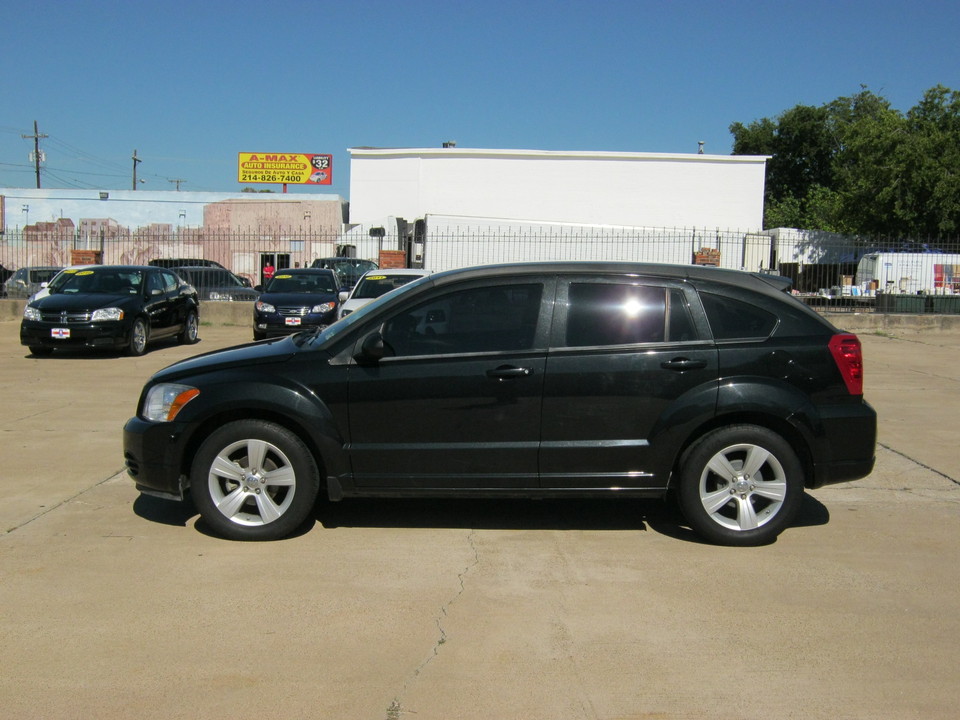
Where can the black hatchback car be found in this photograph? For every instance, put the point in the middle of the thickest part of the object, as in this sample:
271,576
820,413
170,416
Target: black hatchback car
532,380
111,306
295,300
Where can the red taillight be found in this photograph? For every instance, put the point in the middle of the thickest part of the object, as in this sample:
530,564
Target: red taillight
848,355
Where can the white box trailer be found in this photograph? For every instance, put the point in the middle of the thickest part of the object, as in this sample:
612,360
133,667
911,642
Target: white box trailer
443,242
909,273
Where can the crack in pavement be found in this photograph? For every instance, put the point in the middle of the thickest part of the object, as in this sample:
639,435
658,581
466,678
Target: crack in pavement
61,503
395,709
921,464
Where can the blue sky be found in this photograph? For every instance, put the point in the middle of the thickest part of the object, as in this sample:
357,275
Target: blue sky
189,85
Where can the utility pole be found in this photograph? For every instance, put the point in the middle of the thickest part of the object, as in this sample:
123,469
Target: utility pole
135,161
177,181
36,149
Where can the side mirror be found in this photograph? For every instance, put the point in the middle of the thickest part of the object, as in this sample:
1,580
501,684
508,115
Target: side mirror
371,349
258,288
343,296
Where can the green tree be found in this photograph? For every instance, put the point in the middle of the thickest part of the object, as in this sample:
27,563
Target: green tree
857,165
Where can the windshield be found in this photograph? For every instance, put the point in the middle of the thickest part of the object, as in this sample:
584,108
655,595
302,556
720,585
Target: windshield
60,279
312,283
348,321
373,286
106,281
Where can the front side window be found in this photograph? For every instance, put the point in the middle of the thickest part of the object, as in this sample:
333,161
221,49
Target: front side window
486,319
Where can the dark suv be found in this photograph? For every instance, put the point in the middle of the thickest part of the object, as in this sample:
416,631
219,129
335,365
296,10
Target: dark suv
532,380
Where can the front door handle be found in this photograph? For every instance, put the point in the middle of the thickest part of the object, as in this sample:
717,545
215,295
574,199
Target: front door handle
509,372
683,364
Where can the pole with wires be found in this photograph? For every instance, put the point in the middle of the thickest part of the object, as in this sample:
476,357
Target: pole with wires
36,149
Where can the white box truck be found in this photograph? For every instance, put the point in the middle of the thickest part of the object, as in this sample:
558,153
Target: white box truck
909,273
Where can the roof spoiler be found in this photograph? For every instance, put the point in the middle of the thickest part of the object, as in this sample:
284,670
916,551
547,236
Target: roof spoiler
778,282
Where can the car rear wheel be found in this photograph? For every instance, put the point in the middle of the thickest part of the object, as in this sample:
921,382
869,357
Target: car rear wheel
254,480
191,330
741,485
137,344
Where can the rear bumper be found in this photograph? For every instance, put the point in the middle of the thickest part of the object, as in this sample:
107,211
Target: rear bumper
851,453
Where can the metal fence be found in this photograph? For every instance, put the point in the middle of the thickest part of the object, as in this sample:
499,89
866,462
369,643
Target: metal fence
828,271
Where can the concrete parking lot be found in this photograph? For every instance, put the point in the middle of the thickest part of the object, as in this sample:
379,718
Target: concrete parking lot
120,606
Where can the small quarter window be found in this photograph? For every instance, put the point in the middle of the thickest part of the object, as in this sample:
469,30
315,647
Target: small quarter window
736,320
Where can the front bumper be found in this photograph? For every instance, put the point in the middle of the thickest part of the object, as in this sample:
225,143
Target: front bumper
277,326
153,454
49,335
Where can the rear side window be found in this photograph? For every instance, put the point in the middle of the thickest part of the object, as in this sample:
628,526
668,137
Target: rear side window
736,320
619,314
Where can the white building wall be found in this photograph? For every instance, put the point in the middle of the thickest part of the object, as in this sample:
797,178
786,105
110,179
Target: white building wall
629,189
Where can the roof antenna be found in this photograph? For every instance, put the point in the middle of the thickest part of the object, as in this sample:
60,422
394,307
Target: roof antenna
700,145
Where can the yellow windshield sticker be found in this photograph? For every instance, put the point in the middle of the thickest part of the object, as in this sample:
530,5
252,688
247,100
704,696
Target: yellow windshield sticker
284,277
376,277
85,272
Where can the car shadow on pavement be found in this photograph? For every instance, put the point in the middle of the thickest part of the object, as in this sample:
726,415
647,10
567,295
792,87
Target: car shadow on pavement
164,512
603,514
610,514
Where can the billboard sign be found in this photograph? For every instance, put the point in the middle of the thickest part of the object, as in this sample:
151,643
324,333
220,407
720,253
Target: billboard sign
286,168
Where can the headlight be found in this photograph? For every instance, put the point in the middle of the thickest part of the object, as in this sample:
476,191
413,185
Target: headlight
324,308
265,307
164,401
111,313
31,313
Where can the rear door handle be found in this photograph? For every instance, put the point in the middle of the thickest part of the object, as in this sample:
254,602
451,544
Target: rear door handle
683,364
509,372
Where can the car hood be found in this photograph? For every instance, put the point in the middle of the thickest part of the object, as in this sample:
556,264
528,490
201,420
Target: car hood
357,303
297,299
80,301
270,351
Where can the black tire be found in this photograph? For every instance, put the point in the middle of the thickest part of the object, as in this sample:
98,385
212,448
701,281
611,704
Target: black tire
41,351
259,335
139,336
254,480
191,329
740,485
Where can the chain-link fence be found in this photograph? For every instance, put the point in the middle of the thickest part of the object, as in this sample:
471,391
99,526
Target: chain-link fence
828,271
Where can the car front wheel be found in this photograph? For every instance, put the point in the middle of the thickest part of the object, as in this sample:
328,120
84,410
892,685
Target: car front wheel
740,485
137,344
191,330
254,480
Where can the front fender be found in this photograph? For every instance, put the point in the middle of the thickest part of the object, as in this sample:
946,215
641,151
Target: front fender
242,393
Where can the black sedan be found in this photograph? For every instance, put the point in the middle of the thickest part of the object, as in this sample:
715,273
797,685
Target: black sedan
112,306
296,300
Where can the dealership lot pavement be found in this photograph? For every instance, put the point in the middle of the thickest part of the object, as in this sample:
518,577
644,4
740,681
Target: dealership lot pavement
117,606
